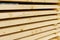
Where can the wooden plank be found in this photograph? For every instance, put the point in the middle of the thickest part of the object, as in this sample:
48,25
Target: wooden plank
14,36
23,14
27,20
17,6
19,28
39,35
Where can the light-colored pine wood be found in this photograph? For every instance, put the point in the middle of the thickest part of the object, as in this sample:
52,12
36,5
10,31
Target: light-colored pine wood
22,21
53,29
23,14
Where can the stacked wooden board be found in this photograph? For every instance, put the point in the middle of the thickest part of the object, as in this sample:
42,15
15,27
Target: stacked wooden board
28,22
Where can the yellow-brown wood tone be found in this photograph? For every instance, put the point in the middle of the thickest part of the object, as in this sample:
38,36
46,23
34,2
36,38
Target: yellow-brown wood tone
55,38
29,25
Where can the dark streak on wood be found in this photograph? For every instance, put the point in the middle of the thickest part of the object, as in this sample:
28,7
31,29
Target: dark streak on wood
5,19
26,24
28,3
24,10
25,30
